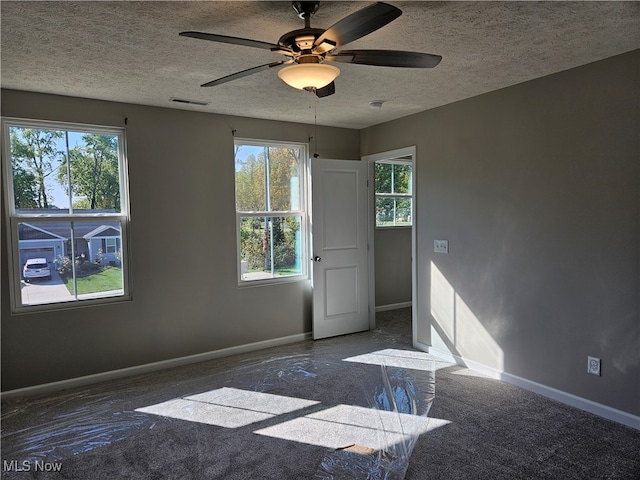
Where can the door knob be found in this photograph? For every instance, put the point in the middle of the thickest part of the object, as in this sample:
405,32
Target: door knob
317,259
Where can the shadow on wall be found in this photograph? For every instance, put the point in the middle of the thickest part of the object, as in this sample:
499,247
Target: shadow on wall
456,328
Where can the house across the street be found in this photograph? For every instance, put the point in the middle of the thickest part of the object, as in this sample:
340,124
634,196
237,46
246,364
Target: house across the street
96,240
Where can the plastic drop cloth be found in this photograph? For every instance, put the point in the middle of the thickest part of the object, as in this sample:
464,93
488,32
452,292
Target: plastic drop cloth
401,398
70,423
382,398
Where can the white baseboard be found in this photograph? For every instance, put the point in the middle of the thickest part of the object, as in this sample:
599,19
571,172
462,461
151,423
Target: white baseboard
590,406
392,306
152,367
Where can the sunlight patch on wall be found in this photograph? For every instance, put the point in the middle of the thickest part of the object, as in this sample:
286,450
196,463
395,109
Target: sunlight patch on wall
345,425
228,407
443,301
457,328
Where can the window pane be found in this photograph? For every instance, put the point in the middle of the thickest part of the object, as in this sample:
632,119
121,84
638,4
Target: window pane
270,247
403,211
384,211
392,211
95,175
250,178
284,179
37,160
78,263
383,177
401,178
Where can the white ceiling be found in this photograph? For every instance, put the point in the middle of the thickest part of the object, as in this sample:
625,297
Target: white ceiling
130,51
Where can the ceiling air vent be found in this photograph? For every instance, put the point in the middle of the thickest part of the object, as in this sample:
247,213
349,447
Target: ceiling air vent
190,102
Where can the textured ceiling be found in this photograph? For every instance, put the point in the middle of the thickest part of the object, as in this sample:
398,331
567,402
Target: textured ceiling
131,52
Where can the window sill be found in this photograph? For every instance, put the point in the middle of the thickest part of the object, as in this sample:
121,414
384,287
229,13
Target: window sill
272,281
394,227
70,305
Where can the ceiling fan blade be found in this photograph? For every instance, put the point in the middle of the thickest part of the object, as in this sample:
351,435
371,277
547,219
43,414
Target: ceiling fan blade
386,58
356,25
243,73
233,40
326,91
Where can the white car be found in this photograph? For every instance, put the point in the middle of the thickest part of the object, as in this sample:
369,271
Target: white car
36,268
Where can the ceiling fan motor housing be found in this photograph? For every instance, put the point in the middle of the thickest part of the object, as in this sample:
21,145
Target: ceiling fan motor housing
300,40
309,59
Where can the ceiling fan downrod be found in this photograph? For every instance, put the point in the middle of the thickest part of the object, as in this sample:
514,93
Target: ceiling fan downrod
305,10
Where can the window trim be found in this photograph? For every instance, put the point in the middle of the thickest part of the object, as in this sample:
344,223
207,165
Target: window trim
302,212
376,195
13,218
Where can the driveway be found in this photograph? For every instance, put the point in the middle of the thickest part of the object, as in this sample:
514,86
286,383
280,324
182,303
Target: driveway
38,291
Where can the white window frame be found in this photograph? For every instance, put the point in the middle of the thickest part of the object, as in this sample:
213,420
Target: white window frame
14,218
302,213
394,195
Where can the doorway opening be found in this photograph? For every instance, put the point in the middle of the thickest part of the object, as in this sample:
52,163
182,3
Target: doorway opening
392,231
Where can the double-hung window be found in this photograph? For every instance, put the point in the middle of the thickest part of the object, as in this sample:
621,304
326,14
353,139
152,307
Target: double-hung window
270,210
67,212
393,195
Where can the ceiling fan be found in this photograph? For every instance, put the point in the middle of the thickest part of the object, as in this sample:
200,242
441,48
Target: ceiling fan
308,48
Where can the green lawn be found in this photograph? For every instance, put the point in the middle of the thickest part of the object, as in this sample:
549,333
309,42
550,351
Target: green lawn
108,279
288,271
283,271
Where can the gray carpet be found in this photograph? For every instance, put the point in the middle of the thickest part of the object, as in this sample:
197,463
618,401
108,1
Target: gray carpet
280,414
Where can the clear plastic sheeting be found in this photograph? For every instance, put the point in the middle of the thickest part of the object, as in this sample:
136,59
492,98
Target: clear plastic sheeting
52,441
356,411
399,404
93,422
278,372
78,421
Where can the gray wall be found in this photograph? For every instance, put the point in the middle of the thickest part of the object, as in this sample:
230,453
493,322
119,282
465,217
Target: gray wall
392,265
182,206
536,187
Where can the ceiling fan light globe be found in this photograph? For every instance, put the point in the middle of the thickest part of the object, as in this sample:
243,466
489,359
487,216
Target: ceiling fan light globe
308,75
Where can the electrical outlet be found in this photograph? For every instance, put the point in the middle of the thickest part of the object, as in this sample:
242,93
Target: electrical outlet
593,366
441,246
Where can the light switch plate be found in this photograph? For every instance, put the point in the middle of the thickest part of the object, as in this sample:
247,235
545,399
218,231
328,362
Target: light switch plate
441,246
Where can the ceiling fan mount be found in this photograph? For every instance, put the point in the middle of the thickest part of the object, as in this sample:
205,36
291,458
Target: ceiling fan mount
305,9
306,47
302,40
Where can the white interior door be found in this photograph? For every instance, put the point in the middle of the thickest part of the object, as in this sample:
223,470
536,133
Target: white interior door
339,247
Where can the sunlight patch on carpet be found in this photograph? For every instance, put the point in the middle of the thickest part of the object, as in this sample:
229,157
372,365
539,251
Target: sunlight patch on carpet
228,407
392,357
345,425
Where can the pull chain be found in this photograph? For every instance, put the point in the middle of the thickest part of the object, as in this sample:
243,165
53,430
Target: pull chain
315,126
314,98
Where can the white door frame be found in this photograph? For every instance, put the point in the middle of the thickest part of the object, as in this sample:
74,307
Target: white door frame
393,155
